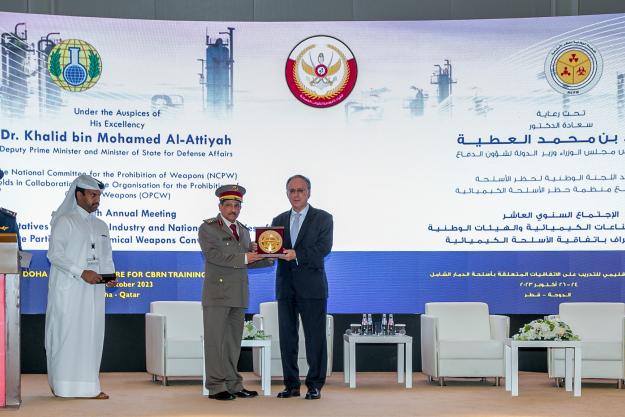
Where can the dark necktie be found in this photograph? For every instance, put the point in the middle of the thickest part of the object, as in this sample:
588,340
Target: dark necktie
233,227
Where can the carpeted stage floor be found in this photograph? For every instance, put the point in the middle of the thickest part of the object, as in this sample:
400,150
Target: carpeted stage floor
377,394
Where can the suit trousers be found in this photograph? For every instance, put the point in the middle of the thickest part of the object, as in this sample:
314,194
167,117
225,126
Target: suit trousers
313,315
223,330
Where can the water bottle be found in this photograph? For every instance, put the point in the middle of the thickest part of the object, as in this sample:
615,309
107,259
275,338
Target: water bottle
384,323
363,325
369,324
391,325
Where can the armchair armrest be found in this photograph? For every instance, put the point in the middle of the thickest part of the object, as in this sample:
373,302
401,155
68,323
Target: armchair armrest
330,342
429,345
330,326
499,327
155,339
259,322
623,345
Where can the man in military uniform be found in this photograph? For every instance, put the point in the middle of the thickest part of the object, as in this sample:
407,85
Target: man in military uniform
8,222
228,252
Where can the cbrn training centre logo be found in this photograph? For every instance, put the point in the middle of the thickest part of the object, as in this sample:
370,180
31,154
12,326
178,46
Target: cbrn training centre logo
74,65
321,71
573,67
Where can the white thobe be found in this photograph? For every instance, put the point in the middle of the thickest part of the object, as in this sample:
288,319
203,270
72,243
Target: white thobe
75,313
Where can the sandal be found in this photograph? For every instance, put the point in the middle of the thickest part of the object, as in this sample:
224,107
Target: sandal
100,396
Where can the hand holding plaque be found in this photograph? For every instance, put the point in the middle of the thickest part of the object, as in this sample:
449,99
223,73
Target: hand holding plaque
270,241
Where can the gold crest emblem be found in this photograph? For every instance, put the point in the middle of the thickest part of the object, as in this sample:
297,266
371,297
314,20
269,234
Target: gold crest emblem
321,71
270,241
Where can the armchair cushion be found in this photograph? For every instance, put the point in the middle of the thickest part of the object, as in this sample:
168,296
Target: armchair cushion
600,327
595,321
462,340
184,317
467,349
183,349
173,344
596,351
461,321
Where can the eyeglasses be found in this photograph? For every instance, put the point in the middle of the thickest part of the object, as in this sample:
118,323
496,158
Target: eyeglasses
297,190
232,205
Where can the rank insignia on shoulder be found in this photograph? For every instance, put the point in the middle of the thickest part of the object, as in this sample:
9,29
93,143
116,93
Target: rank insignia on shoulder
211,220
8,212
243,225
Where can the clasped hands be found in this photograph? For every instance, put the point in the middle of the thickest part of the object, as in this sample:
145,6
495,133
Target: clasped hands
253,256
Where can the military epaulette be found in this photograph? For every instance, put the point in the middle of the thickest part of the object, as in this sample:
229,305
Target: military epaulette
8,212
211,220
243,225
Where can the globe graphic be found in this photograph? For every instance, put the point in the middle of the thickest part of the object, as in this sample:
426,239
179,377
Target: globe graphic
74,71
74,74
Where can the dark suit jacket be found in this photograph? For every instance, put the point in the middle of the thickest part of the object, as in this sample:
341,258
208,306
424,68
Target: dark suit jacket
305,278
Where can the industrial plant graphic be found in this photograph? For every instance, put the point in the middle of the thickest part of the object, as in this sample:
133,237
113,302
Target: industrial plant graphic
217,73
22,62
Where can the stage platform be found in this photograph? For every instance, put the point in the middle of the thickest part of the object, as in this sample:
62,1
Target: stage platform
377,395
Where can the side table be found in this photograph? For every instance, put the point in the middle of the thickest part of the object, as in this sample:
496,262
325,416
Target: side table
404,356
572,360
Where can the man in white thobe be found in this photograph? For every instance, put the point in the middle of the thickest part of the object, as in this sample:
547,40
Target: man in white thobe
79,251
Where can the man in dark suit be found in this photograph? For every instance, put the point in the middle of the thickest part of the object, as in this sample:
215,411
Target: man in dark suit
227,251
302,288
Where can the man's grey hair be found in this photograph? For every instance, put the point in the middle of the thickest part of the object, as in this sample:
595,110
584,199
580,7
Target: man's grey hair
306,180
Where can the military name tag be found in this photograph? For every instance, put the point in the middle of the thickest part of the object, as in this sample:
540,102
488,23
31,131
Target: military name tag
270,241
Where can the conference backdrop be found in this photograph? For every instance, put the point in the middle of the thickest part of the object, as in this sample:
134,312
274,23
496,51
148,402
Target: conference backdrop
476,160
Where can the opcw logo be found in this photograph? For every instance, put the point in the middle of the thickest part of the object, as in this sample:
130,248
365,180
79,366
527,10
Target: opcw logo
74,65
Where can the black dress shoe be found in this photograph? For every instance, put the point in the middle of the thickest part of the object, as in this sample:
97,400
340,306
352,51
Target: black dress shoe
244,393
288,393
313,394
222,396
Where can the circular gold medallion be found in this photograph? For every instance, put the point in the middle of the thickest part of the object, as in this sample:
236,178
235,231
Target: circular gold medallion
270,241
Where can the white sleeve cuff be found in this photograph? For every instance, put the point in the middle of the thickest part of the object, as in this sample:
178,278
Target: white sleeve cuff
76,271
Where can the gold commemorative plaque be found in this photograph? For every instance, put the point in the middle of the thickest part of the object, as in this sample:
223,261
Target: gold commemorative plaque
270,241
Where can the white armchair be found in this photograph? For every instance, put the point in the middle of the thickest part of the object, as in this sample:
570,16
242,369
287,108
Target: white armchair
600,327
462,340
267,319
173,346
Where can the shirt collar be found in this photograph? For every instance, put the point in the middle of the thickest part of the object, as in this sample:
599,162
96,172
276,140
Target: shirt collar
228,223
303,212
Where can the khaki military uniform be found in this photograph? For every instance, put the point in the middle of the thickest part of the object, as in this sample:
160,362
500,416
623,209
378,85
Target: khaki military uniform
225,297
8,224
